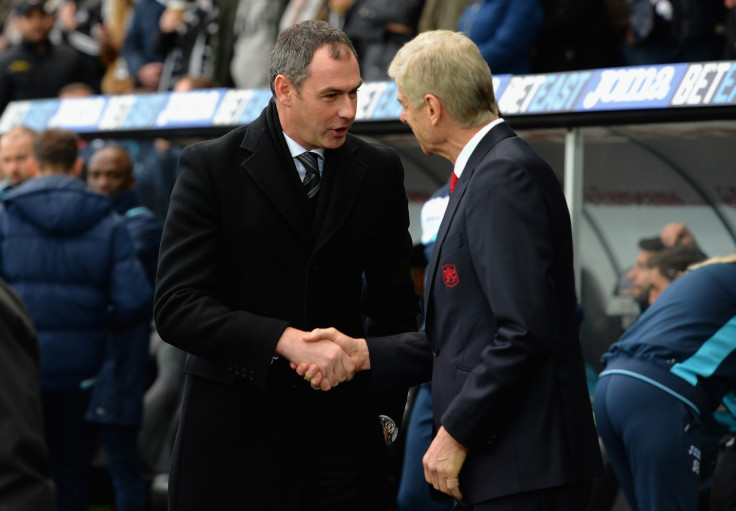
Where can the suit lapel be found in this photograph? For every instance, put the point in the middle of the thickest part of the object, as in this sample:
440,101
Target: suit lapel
341,178
497,133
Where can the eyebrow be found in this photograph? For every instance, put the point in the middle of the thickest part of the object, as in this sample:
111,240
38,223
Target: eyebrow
335,89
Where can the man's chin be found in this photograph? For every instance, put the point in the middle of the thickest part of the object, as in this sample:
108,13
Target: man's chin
335,142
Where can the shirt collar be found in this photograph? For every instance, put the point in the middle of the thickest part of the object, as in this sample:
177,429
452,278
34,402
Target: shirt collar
464,156
295,149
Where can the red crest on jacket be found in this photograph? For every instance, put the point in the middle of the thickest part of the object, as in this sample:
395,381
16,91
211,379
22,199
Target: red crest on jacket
449,275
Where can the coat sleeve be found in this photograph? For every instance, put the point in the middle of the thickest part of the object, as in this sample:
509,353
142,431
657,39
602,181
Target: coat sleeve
188,308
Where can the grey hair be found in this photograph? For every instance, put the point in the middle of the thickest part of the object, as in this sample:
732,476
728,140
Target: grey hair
450,66
296,46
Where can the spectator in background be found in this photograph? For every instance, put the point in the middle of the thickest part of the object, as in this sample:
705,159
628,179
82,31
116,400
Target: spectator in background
184,39
25,478
378,28
505,32
16,153
76,90
338,12
637,277
243,43
117,78
664,31
143,62
729,48
36,68
117,399
663,379
575,34
80,25
668,264
70,258
301,10
6,22
441,14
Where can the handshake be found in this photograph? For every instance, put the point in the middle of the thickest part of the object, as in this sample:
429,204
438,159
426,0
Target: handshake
325,357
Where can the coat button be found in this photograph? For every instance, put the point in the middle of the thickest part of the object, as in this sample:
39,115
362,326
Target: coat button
436,351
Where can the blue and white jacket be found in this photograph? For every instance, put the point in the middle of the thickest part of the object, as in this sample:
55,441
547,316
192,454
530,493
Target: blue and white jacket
685,343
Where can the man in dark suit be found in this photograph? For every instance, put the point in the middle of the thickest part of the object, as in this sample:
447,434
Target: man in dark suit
253,255
513,417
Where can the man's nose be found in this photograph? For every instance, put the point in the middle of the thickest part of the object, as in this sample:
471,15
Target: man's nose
348,107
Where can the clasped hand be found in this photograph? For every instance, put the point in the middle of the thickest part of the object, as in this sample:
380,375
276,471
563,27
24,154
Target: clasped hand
325,357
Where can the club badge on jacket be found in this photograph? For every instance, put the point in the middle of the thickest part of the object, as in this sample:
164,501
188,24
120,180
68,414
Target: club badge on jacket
449,275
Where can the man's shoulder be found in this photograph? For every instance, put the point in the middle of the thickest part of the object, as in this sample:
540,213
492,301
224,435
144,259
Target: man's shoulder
230,140
12,53
364,148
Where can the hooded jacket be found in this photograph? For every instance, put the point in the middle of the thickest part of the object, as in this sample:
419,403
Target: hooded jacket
70,258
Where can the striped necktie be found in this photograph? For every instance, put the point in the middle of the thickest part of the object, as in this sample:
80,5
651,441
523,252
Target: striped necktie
311,180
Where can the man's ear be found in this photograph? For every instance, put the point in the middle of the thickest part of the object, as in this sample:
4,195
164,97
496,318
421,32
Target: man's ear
284,90
434,108
78,167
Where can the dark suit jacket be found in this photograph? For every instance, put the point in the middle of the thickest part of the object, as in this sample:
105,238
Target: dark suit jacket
240,261
508,380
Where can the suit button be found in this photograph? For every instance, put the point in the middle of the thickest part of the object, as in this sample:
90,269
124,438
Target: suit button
436,351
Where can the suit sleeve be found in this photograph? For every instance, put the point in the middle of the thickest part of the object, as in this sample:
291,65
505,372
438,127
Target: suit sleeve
509,237
187,308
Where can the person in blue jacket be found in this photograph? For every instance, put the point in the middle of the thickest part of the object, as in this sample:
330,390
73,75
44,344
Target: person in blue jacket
662,380
117,401
505,32
69,256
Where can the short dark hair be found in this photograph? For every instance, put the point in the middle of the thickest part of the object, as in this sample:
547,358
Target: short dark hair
672,261
56,148
296,46
651,244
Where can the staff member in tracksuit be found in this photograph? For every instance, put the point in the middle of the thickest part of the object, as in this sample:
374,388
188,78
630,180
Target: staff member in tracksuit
663,379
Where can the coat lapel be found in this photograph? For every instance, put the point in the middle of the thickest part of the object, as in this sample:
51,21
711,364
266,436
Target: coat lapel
342,176
494,136
274,173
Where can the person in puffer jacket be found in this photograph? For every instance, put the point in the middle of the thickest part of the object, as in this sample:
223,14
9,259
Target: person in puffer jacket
70,258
